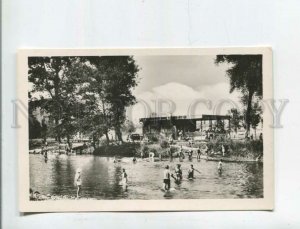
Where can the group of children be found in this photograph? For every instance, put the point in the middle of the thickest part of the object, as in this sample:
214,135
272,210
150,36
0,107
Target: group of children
190,153
178,175
166,176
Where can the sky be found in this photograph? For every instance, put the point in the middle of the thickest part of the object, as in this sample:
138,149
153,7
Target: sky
176,84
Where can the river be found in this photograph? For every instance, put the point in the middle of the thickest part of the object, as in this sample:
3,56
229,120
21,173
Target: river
101,178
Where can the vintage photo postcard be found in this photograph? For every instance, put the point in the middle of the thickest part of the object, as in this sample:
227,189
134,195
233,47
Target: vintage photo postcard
157,129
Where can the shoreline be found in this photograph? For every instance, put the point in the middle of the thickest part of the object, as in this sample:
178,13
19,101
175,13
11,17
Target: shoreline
36,196
156,159
242,153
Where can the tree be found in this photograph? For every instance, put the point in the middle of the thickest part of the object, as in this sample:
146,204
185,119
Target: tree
128,127
113,80
245,74
53,90
85,94
220,126
235,119
255,116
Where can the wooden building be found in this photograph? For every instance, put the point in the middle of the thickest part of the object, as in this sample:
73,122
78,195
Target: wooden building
182,124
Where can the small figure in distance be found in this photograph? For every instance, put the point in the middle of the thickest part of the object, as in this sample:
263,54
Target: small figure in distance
190,154
181,154
134,159
261,137
223,150
198,153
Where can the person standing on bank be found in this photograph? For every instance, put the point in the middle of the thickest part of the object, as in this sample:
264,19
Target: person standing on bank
78,181
167,178
223,150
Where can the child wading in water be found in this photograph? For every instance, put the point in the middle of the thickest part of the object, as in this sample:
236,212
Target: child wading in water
78,181
124,179
220,166
167,177
178,173
191,172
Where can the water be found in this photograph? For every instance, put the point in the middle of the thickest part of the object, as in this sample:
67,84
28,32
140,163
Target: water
101,178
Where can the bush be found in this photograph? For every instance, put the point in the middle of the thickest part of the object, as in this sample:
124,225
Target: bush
126,150
164,144
246,149
153,138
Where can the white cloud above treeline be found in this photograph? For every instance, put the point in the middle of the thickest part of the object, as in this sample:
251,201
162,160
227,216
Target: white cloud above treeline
181,98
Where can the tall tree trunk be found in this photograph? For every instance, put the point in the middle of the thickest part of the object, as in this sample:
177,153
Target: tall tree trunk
119,133
107,137
58,138
68,140
94,141
57,101
248,112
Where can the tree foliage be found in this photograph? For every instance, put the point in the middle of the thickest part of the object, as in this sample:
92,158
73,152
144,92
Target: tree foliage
245,74
83,94
235,120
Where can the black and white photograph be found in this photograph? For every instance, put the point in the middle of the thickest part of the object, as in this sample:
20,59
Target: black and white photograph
177,129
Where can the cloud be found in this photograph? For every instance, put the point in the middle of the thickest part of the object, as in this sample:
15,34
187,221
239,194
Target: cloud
179,99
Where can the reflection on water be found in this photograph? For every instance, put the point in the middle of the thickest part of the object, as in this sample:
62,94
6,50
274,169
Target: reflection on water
101,178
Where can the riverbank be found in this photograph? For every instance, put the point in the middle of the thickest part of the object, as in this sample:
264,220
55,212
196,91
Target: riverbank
127,149
229,150
36,196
